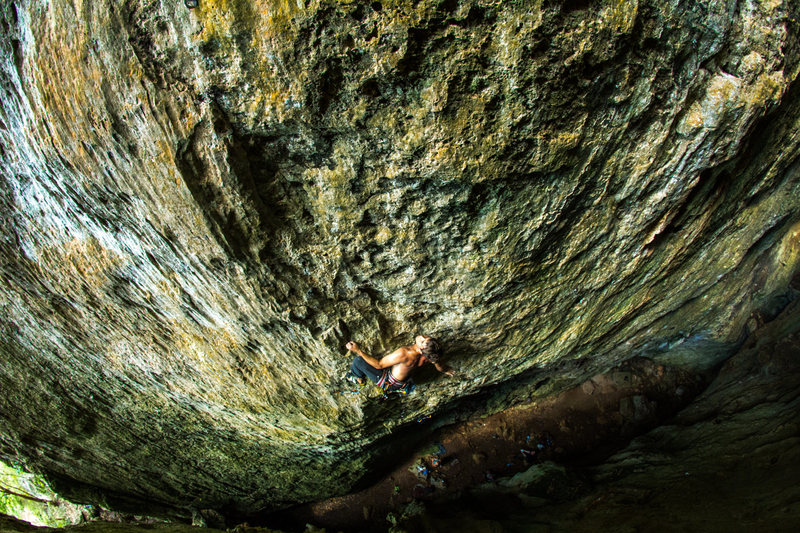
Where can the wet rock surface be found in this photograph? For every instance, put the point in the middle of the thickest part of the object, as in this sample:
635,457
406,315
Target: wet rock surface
200,206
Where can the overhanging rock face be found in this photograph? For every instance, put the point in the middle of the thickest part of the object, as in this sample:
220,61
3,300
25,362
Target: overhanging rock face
199,207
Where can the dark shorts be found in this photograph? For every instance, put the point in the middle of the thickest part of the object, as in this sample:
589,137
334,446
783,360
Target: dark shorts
361,369
382,377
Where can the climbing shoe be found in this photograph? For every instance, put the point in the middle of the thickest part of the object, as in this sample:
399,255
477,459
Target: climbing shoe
352,378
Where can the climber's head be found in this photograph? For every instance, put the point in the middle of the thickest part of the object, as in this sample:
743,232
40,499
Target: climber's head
429,347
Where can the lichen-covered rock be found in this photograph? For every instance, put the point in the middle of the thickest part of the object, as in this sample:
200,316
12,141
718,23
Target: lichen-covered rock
199,207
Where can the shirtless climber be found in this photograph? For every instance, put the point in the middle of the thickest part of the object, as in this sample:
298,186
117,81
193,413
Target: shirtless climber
402,363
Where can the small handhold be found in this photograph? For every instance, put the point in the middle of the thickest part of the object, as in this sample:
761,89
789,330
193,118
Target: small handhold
191,4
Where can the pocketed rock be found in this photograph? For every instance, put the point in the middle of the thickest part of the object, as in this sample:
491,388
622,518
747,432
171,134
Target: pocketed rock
201,206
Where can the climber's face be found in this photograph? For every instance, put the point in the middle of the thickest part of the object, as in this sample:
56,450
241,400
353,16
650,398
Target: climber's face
422,341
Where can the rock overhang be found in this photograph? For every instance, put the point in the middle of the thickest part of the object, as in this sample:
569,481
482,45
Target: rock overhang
200,207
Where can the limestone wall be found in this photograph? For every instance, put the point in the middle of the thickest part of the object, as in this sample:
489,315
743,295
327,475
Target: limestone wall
200,207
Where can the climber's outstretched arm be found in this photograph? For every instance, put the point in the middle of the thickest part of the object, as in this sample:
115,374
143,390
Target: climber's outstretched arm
385,362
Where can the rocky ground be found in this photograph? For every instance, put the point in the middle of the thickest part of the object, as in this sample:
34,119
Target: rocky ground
726,460
199,207
580,426
715,452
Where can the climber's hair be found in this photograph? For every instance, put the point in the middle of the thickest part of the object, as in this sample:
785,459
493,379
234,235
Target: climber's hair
432,350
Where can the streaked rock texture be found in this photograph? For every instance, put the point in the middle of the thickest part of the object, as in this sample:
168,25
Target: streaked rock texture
728,462
199,207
